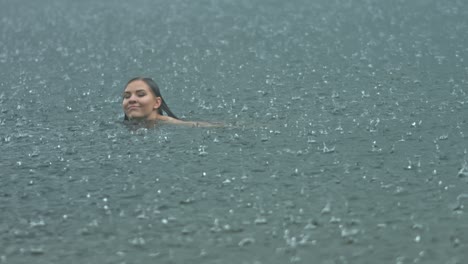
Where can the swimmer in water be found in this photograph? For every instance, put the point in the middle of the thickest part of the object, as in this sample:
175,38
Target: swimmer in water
142,102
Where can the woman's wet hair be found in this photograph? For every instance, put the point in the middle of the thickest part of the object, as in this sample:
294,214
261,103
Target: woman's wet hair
154,87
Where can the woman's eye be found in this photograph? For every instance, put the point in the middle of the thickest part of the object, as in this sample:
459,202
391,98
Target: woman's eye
141,94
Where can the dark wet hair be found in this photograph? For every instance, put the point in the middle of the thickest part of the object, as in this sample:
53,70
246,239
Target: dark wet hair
154,87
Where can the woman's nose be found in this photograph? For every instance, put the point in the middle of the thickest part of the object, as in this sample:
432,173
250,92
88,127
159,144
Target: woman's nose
132,99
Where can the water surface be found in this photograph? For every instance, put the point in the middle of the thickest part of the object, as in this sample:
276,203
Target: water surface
346,139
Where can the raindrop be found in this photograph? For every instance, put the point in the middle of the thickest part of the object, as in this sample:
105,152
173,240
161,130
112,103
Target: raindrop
138,241
37,223
36,250
326,209
463,172
260,221
325,149
347,232
201,151
246,241
459,204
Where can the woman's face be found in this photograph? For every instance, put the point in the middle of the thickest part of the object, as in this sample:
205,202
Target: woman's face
139,102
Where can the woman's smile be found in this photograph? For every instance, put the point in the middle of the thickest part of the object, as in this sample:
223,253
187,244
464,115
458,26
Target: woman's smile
133,107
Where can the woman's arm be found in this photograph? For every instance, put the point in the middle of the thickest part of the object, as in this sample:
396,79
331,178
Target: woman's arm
174,121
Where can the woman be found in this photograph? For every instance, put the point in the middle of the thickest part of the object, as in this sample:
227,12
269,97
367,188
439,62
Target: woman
142,102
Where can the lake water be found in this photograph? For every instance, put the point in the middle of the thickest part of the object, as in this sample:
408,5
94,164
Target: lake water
346,137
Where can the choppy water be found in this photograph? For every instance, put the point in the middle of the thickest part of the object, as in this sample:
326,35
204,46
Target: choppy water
348,141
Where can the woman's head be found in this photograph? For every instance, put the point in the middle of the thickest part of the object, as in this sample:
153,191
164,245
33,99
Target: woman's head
142,100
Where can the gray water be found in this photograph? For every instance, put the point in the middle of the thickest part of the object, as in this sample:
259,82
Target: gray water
345,139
